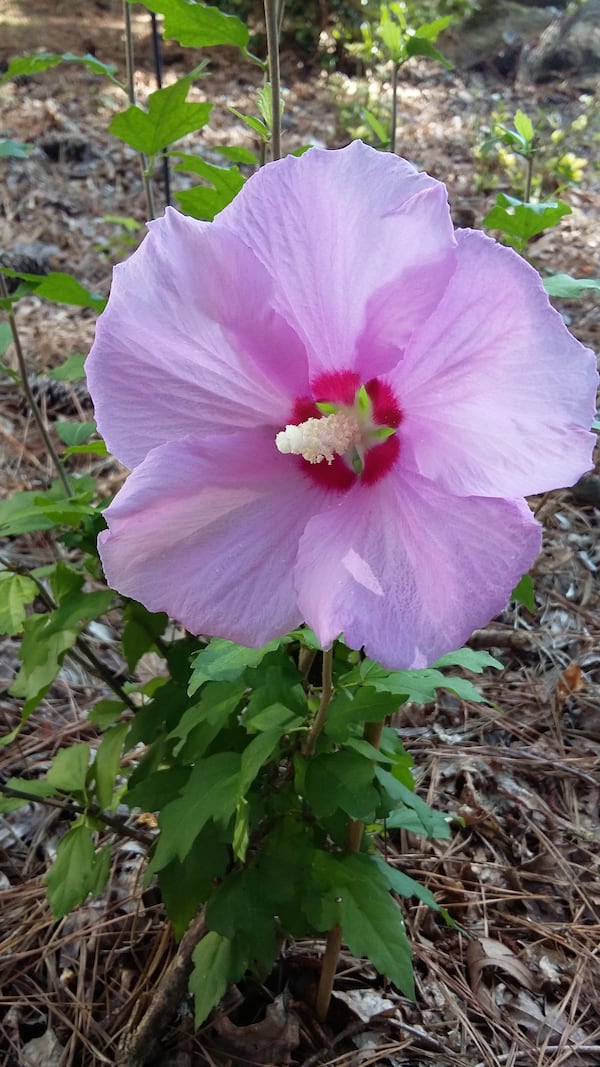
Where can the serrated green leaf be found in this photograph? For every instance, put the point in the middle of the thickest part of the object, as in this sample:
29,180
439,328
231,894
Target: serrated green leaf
26,511
107,764
77,871
274,717
524,593
571,288
69,371
200,723
255,755
16,592
216,964
347,710
523,221
186,884
14,149
69,768
341,781
471,660
415,814
418,686
41,658
403,884
211,792
168,118
354,893
37,62
204,202
197,25
224,661
243,908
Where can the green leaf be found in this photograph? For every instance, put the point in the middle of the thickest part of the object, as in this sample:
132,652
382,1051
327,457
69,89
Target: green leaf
186,884
104,713
200,723
524,593
524,126
254,124
347,710
216,964
69,371
168,118
423,820
74,433
204,202
107,764
211,792
237,154
77,871
571,288
224,661
341,781
403,884
37,62
6,340
69,769
264,101
431,30
16,592
420,46
39,787
354,892
523,221
197,25
42,658
243,908
418,686
141,629
378,128
60,287
14,149
470,660
255,755
32,510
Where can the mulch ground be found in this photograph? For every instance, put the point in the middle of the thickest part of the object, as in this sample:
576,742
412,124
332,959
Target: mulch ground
521,986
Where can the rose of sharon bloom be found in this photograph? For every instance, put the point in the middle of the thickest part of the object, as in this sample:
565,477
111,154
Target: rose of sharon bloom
333,407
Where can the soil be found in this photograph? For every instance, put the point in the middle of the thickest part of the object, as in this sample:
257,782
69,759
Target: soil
522,874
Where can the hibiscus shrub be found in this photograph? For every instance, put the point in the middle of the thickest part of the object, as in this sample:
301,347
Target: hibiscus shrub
332,406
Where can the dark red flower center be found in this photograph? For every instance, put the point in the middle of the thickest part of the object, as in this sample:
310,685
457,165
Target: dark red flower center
357,441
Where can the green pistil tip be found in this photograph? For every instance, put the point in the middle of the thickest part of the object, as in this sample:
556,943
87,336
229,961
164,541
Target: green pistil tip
362,401
326,408
382,433
357,462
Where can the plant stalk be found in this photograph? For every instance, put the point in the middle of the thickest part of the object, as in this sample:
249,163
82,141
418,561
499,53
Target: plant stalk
272,23
354,834
33,404
71,808
326,695
129,59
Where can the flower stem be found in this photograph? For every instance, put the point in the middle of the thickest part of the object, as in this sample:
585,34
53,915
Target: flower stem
326,695
394,118
12,322
146,166
272,24
354,834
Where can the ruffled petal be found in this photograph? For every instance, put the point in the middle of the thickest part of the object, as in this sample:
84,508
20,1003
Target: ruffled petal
333,227
190,343
497,396
208,530
408,571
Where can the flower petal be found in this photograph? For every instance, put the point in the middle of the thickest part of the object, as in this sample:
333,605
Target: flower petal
189,342
334,227
208,530
497,396
408,571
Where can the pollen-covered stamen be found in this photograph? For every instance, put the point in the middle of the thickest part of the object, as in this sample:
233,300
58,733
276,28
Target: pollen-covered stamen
321,439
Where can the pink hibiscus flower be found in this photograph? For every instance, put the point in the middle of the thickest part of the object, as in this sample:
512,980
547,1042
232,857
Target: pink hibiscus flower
333,406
